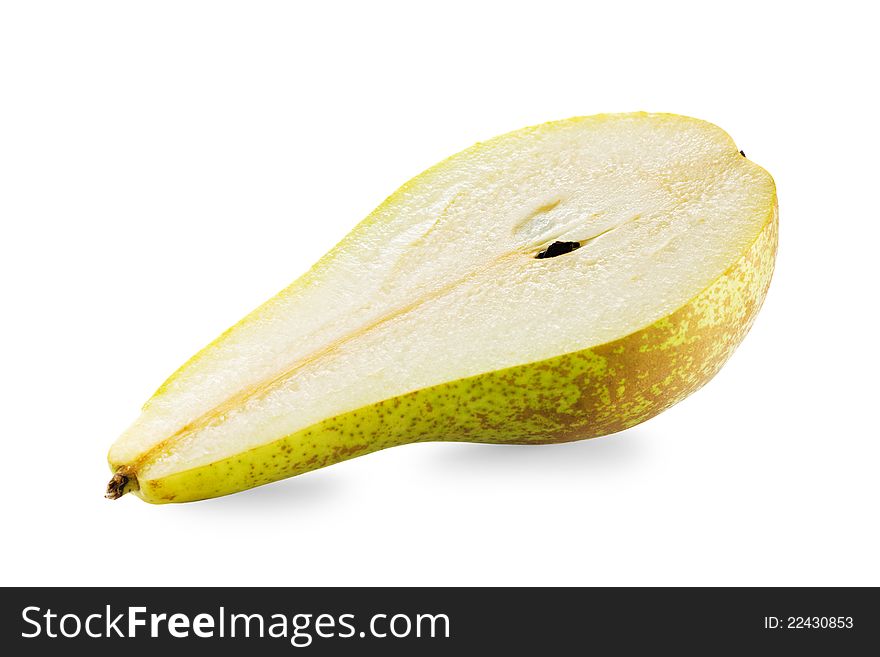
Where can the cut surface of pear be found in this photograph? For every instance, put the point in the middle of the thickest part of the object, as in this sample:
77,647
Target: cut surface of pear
558,282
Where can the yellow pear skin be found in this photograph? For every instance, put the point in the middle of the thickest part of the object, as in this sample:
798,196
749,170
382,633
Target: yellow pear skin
582,394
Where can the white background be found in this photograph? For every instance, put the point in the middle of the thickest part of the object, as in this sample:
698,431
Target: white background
166,166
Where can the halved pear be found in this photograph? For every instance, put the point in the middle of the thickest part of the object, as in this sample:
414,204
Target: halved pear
560,282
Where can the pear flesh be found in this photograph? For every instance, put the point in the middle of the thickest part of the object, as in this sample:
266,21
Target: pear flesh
559,282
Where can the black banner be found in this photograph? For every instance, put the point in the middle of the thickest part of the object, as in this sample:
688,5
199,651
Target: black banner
437,621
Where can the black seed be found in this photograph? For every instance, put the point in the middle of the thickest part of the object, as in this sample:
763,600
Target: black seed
558,249
742,153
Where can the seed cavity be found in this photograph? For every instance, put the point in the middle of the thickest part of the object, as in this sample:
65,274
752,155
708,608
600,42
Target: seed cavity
545,220
558,249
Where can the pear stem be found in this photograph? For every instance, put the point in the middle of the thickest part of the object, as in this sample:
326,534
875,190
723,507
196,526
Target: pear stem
117,486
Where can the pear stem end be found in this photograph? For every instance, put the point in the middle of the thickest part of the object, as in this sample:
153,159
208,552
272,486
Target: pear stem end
118,486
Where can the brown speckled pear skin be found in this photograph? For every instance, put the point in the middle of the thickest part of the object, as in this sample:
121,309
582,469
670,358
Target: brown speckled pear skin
584,394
